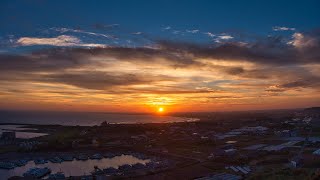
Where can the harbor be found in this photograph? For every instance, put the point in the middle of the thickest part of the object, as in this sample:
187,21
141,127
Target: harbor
72,165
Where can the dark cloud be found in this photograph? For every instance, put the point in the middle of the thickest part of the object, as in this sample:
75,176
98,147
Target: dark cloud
304,48
235,70
140,54
102,80
270,51
302,83
274,58
101,26
177,90
224,97
40,61
278,90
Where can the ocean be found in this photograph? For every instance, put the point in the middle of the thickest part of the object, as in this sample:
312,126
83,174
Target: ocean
83,118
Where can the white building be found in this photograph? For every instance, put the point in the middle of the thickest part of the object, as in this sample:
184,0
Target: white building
316,152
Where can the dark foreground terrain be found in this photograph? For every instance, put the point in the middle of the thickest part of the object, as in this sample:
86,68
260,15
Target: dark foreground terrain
239,145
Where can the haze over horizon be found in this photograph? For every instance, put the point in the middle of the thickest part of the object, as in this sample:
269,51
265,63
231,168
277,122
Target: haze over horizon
141,56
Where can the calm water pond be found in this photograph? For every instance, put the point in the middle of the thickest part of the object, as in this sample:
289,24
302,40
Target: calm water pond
20,131
75,168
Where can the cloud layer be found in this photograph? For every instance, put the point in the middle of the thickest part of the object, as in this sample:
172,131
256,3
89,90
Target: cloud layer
167,72
62,40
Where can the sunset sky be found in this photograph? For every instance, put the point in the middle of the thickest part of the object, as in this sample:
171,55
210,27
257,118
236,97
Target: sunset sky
138,56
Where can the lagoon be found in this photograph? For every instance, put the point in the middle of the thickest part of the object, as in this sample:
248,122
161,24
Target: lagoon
75,167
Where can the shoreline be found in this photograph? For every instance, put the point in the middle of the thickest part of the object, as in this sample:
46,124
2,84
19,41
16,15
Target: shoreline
110,123
87,119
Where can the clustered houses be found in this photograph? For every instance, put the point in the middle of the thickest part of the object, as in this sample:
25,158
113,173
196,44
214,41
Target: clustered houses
29,145
236,150
8,138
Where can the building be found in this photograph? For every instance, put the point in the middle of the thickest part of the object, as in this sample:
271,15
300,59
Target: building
240,169
139,138
296,162
221,176
287,133
75,144
255,147
94,142
230,152
316,152
29,145
8,136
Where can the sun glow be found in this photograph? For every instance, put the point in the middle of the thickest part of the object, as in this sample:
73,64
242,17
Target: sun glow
160,109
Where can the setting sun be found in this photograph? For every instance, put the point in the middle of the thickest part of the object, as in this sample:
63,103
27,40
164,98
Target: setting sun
160,109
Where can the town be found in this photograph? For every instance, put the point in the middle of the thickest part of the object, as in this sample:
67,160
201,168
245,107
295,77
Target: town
237,145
